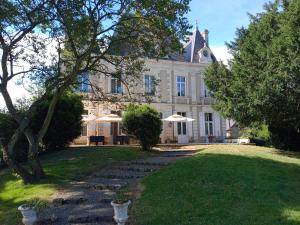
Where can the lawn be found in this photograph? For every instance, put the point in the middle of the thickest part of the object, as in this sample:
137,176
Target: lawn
61,167
223,185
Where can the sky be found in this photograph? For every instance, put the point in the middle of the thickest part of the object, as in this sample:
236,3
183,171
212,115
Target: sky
220,17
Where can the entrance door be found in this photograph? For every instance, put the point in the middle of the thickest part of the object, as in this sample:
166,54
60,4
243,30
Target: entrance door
182,130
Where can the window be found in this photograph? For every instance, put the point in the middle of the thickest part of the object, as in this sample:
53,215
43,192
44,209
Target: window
84,130
181,126
149,85
84,83
116,86
85,112
209,124
206,92
180,86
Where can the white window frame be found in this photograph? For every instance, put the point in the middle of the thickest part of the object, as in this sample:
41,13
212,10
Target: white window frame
150,90
209,124
119,88
84,130
84,82
206,92
182,84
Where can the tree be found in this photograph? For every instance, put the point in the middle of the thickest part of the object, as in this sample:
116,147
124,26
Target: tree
82,33
262,83
144,123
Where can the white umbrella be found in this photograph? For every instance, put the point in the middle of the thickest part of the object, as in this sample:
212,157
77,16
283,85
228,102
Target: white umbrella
177,118
88,118
109,118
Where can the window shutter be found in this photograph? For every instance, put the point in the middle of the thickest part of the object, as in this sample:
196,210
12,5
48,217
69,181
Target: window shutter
190,125
202,124
216,119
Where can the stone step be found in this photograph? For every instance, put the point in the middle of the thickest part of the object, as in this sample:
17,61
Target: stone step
99,182
68,201
175,155
137,169
102,186
97,223
96,212
91,214
148,163
122,176
79,201
89,219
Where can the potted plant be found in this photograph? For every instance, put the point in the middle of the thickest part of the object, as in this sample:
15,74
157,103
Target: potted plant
29,214
29,210
120,204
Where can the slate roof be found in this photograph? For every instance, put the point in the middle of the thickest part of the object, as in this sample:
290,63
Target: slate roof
191,48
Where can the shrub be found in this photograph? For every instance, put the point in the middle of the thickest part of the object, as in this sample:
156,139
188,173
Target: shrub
285,136
144,123
259,135
65,125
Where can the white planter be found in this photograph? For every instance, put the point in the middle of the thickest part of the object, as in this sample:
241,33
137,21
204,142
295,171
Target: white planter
29,214
121,212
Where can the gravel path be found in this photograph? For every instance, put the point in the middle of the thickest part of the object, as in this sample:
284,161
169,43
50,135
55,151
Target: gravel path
88,202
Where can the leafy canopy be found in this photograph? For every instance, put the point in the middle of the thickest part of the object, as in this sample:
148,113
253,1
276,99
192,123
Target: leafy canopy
262,83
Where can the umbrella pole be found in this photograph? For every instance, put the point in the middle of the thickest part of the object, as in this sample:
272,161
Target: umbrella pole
174,132
87,134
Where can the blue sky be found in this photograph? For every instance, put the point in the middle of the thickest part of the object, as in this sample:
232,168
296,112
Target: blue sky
222,17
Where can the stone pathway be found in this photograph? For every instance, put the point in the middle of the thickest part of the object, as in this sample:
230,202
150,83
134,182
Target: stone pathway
88,202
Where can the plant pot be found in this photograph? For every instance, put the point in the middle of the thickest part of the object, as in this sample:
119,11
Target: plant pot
29,214
121,212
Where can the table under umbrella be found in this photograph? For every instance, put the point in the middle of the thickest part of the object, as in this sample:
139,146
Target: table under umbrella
177,118
111,118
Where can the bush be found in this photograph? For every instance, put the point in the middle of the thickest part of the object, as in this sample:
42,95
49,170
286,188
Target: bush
259,135
144,123
285,136
65,125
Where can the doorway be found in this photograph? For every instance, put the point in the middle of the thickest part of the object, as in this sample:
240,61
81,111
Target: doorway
182,130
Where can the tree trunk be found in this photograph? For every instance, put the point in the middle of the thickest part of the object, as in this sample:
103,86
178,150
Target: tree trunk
16,167
33,152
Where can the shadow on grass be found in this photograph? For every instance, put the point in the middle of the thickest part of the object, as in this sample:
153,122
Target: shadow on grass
221,189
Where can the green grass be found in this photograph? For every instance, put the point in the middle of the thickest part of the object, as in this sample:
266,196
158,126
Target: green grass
223,185
61,167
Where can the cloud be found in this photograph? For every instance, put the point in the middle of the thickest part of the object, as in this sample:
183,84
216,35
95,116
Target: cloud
221,54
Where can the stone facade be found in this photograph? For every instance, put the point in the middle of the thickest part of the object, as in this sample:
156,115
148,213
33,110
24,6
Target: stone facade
180,89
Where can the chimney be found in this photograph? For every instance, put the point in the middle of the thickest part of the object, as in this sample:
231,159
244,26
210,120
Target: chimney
205,36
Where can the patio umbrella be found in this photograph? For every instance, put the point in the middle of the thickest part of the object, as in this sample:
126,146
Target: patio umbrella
177,118
109,118
87,119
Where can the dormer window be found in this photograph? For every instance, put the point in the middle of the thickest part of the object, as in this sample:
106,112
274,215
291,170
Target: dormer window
205,55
